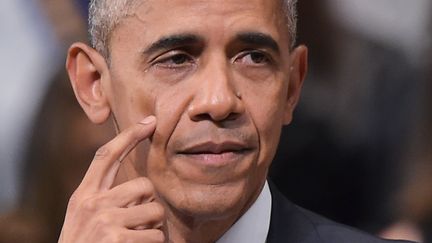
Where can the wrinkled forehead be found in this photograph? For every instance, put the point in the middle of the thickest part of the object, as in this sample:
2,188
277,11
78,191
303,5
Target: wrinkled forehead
181,14
217,23
205,5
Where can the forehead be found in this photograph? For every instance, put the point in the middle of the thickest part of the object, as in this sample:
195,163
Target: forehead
214,7
155,18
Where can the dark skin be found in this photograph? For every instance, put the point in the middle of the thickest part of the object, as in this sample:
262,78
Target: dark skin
221,80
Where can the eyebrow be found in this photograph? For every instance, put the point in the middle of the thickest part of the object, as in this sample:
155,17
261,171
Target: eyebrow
172,41
258,39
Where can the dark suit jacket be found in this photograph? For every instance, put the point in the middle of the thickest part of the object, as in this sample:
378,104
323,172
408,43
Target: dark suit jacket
292,224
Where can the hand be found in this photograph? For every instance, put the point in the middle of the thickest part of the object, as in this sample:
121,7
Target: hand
99,212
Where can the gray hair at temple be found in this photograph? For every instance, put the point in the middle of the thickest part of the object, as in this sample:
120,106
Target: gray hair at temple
105,15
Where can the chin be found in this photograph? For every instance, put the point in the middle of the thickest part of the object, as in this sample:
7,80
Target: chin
209,202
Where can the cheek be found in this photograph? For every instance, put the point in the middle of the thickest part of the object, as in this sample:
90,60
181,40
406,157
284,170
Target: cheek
169,106
141,103
132,99
266,105
137,99
265,101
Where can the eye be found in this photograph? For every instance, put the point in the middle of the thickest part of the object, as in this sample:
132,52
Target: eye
173,59
257,57
253,58
179,59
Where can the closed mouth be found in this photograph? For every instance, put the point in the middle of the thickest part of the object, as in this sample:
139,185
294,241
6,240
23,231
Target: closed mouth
215,148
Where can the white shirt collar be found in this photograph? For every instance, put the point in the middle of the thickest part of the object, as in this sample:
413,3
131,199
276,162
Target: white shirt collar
253,226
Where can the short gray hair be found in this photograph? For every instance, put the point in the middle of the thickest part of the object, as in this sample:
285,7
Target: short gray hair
105,15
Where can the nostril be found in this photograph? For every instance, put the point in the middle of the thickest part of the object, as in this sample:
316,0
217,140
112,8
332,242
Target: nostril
232,116
215,106
214,117
202,117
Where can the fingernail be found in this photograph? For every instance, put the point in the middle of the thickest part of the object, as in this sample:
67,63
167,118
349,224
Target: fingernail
148,120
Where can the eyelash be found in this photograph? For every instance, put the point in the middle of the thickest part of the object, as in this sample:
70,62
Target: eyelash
169,56
267,57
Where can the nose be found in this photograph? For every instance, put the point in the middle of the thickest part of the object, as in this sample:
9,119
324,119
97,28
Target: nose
216,97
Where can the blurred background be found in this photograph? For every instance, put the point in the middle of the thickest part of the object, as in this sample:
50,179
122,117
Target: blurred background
359,150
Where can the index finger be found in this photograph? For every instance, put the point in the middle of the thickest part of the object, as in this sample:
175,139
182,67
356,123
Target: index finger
106,162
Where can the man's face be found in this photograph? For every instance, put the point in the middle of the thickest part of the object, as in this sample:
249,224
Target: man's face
216,76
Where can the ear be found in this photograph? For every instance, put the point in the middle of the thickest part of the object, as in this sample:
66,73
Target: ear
88,71
298,70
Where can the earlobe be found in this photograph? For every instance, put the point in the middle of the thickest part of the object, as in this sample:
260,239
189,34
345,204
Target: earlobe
297,74
88,71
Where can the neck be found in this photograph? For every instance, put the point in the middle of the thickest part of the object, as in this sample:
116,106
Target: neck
185,229
182,228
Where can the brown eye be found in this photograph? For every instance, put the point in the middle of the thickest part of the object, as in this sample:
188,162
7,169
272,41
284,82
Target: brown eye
179,59
174,59
257,57
253,58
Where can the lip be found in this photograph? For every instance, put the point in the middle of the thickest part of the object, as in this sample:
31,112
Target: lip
216,154
215,148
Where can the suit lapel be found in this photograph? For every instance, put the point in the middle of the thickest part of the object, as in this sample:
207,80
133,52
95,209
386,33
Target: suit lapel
287,223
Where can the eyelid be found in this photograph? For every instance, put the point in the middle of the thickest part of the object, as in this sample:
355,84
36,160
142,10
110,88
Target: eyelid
246,52
168,54
166,60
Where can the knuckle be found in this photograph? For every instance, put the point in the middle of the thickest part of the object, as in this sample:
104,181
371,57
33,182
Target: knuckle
90,204
114,236
144,186
102,153
144,182
158,236
158,211
73,200
104,219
